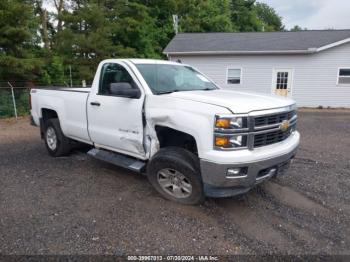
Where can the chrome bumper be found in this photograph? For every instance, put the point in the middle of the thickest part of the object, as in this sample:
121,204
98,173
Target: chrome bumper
217,184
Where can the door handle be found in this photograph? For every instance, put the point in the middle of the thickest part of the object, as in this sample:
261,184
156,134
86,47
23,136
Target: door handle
95,103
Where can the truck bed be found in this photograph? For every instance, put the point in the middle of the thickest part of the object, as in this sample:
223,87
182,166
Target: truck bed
70,106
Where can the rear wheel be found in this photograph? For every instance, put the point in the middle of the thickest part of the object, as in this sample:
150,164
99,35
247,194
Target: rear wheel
57,144
174,173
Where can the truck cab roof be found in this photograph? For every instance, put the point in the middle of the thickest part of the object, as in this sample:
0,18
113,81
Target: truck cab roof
144,61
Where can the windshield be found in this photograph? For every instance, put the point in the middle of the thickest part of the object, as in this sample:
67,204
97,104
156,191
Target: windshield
168,78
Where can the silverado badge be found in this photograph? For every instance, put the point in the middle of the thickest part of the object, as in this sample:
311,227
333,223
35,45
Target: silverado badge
284,125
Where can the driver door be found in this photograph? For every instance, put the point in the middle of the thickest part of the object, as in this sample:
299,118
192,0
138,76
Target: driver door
115,122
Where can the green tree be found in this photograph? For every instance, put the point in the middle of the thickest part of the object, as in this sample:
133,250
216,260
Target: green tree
134,29
53,72
85,38
38,46
205,16
268,16
244,16
18,41
296,28
95,30
92,30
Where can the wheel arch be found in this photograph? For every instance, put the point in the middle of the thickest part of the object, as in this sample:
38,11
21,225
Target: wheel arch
46,114
171,137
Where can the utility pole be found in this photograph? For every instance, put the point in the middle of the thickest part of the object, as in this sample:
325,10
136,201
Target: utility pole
176,23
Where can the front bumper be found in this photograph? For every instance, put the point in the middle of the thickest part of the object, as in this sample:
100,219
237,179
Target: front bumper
218,184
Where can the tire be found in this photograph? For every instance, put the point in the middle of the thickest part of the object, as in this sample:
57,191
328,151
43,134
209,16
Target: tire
175,174
57,144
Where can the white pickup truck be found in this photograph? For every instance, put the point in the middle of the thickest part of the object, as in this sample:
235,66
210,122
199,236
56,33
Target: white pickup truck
192,138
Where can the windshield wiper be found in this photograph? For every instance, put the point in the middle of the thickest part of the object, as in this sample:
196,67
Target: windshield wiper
168,92
177,90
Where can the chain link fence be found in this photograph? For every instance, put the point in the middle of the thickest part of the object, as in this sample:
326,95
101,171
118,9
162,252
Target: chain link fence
14,101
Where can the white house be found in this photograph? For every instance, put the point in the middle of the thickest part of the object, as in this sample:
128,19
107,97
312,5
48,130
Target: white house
312,67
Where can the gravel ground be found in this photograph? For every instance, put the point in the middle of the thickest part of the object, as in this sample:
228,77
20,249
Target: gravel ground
78,205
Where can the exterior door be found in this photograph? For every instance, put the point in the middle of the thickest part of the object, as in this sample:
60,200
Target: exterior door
115,122
282,82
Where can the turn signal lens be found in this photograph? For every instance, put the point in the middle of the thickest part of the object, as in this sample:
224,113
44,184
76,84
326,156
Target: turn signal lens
230,142
223,122
222,141
231,122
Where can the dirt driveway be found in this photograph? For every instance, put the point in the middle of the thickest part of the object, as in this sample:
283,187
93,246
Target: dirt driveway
78,205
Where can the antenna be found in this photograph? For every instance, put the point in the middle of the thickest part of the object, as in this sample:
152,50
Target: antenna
176,23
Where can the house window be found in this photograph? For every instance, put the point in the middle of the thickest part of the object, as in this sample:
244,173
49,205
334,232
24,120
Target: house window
234,76
344,76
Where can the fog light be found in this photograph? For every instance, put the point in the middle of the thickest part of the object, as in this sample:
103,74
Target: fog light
237,172
233,171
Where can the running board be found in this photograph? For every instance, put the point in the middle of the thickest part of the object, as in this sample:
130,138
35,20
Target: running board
118,159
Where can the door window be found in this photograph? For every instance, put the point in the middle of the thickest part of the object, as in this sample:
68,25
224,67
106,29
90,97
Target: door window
114,73
282,80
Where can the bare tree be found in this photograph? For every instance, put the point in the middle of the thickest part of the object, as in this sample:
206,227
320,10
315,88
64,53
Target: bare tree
60,5
39,10
44,24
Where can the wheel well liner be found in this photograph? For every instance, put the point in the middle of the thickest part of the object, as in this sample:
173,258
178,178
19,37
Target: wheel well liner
46,114
171,137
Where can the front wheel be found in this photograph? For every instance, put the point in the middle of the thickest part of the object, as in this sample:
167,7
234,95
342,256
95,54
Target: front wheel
174,173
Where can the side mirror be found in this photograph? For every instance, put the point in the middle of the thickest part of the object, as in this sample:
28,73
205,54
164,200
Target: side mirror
124,89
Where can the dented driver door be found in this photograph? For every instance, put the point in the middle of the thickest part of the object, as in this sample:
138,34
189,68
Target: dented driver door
115,122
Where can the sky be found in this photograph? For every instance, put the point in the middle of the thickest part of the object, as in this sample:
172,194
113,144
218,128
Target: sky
313,14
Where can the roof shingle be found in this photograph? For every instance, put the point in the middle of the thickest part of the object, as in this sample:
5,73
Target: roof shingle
254,41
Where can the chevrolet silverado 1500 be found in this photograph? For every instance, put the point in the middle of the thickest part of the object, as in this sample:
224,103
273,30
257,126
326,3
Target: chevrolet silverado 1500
169,121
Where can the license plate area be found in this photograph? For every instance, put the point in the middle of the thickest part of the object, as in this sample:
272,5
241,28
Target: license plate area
282,168
273,171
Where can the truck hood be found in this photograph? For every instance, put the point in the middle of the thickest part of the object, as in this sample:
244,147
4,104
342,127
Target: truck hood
237,102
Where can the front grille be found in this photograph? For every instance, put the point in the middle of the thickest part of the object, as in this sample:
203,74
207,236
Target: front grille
270,138
268,124
263,128
273,119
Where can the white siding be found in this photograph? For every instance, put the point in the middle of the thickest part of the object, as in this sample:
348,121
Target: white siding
314,78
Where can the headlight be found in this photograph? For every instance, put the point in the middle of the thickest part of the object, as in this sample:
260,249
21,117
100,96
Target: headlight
225,122
230,132
230,141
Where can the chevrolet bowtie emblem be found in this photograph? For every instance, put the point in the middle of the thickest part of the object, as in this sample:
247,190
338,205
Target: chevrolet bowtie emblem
284,125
